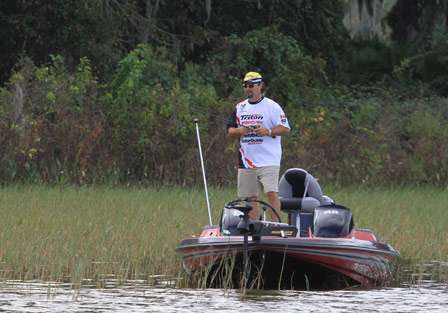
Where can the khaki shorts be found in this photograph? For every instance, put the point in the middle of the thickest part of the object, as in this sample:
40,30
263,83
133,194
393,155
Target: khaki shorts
252,180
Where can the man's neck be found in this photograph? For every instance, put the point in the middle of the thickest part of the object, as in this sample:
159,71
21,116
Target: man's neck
251,101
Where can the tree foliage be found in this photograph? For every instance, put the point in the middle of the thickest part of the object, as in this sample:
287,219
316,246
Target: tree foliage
105,90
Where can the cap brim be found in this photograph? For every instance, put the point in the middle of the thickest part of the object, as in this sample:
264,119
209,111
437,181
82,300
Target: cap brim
253,81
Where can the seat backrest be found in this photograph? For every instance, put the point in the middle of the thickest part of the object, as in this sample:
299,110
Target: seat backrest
295,185
292,183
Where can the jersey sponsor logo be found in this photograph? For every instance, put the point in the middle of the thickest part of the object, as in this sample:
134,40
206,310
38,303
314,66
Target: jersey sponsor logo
245,117
251,138
251,141
283,119
242,104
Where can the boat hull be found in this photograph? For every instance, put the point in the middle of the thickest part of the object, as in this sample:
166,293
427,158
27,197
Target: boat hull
311,263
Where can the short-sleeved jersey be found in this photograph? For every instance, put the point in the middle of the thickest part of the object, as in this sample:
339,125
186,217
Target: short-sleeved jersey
257,151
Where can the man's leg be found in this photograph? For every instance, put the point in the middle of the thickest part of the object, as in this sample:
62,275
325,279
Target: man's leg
274,201
268,177
248,189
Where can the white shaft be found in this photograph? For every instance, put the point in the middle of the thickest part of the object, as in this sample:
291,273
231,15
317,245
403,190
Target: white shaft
203,174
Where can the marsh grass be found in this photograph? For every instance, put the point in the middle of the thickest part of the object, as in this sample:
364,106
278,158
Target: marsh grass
413,220
98,233
75,233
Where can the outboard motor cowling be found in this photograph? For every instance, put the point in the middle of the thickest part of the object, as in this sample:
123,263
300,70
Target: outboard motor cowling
332,221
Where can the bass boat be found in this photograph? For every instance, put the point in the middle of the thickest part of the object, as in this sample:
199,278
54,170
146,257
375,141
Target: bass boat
318,248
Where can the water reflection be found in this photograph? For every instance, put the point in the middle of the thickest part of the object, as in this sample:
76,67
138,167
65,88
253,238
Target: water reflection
420,295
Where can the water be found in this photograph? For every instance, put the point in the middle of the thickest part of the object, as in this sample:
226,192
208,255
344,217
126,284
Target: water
44,297
424,294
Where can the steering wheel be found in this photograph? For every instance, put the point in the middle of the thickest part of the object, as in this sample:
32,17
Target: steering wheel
245,206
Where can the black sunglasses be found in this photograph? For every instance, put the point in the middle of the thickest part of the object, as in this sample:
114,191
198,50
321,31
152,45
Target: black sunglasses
249,85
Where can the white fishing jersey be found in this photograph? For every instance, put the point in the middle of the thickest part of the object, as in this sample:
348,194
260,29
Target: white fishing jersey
258,151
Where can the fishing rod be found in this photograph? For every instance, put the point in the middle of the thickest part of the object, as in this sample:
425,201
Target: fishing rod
196,122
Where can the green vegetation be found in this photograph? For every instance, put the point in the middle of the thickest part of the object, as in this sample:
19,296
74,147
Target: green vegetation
71,234
106,92
70,129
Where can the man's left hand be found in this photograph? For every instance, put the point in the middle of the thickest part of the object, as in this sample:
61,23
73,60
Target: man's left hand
261,131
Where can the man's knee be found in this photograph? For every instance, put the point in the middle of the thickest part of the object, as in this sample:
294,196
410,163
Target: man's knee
272,195
273,199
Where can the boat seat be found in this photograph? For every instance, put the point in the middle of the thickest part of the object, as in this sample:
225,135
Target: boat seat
298,190
300,194
294,205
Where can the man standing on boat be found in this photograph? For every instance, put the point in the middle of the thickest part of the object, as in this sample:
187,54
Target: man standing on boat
258,122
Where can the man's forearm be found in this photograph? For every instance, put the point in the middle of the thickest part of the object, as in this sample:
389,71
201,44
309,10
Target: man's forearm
279,130
234,132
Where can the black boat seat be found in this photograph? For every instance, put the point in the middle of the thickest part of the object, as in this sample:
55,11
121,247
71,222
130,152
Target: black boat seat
300,191
300,194
293,205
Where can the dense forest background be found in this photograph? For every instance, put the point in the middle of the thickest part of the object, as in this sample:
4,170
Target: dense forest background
104,91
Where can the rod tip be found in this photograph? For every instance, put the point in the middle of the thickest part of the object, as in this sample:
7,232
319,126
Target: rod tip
195,120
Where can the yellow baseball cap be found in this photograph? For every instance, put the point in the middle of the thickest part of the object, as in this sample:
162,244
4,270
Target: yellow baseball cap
252,77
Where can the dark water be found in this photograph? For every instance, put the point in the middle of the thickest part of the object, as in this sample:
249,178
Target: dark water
423,294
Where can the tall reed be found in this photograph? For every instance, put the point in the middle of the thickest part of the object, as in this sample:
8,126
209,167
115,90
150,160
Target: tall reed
75,233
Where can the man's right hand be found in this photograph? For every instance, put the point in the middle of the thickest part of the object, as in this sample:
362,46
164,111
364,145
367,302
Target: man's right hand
238,132
245,130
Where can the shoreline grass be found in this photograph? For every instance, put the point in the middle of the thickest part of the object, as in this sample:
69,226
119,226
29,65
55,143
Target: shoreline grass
71,234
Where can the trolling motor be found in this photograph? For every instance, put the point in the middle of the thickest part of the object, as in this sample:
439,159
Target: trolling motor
244,228
239,221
